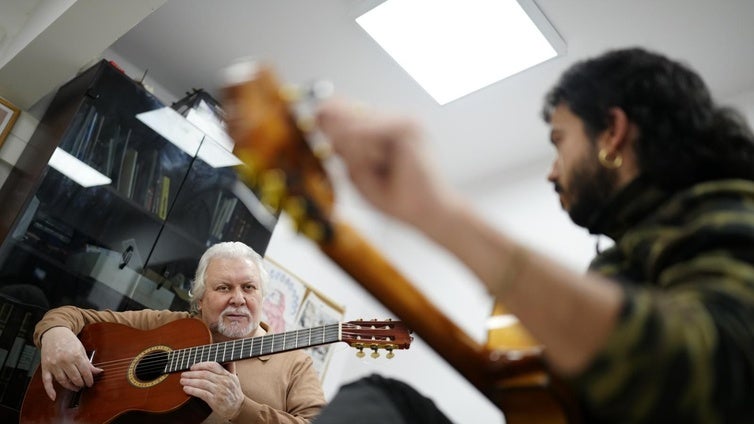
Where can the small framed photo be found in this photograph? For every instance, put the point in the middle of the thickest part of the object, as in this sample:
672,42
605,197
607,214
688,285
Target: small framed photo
8,116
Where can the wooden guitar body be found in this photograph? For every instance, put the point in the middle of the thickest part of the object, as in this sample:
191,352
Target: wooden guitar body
534,396
141,378
121,395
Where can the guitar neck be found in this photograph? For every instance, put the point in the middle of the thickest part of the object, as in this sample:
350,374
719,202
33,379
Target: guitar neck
367,266
236,350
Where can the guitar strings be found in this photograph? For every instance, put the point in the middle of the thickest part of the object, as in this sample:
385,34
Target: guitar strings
157,365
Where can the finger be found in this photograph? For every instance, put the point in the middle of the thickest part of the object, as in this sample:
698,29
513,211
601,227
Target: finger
213,367
329,113
75,376
47,382
63,380
69,386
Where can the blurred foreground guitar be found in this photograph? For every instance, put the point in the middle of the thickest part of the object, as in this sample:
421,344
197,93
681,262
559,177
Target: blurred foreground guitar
286,167
142,368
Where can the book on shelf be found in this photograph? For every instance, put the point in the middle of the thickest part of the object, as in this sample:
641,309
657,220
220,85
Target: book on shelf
112,148
120,158
92,139
128,172
222,216
78,128
146,179
236,227
164,201
87,134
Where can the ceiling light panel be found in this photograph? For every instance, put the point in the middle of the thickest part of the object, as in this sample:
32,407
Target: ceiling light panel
455,47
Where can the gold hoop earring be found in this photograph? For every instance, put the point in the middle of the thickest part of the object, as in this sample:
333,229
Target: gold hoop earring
613,163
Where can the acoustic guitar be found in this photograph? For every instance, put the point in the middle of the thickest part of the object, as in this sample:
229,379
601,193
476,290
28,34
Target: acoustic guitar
286,165
141,378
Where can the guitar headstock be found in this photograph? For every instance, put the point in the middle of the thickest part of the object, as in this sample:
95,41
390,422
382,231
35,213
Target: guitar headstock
376,335
280,163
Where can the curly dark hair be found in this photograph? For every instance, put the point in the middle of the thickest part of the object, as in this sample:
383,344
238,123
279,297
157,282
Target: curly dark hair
684,138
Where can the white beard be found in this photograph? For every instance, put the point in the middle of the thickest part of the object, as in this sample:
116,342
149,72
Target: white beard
234,329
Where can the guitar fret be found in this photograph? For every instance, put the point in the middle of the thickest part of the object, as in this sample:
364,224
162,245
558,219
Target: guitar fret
262,349
235,350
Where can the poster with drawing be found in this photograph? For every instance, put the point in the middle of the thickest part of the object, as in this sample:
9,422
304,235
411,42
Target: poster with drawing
285,294
314,312
292,304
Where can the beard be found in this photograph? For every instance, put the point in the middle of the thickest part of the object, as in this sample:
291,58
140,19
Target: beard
591,188
234,329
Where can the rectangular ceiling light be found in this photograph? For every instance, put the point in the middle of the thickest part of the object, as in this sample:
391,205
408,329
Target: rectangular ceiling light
455,47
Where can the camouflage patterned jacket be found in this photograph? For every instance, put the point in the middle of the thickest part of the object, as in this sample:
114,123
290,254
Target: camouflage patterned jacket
683,350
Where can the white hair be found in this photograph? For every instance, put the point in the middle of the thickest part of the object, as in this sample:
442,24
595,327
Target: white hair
225,250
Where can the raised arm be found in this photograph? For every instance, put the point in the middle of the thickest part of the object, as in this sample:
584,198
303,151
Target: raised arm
571,314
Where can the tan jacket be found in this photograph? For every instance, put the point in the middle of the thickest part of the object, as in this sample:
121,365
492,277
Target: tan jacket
279,388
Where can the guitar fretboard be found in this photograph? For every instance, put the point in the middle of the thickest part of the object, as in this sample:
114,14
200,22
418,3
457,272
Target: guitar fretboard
234,350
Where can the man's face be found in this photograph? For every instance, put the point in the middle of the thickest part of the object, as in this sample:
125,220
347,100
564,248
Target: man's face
583,184
232,299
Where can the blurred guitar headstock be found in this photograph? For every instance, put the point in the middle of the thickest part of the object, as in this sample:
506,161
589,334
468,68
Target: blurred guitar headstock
273,134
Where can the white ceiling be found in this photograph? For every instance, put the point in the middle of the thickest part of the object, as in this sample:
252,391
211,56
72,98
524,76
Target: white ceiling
185,42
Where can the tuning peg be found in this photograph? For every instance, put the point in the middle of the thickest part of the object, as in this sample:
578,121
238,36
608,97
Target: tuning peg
313,230
305,123
295,206
291,93
322,150
272,187
360,353
375,354
390,354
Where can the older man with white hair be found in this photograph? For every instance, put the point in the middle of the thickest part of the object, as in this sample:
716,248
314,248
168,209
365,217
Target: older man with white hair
227,296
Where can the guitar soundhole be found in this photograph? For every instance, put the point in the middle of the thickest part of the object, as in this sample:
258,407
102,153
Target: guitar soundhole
151,366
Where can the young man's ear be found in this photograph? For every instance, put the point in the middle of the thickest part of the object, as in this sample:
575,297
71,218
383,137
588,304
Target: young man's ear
616,137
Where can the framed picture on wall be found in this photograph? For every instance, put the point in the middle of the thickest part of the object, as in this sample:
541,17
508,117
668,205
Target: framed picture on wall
8,115
290,304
